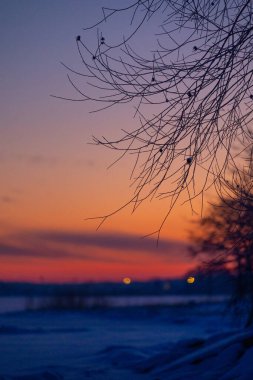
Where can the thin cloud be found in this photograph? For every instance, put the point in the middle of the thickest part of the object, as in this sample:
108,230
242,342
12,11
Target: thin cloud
115,241
103,247
39,159
7,199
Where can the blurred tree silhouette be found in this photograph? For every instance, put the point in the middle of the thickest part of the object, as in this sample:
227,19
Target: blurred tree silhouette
224,238
192,93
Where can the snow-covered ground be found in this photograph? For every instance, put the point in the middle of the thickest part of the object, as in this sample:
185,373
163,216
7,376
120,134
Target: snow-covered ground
194,341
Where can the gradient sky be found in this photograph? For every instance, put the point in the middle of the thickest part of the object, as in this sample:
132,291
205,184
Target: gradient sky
52,179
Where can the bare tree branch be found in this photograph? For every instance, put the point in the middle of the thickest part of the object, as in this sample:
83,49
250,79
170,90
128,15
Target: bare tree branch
193,93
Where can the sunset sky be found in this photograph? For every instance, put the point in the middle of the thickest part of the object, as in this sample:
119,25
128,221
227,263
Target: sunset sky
52,179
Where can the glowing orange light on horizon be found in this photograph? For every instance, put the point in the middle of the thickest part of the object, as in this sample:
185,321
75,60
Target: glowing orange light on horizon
190,280
127,280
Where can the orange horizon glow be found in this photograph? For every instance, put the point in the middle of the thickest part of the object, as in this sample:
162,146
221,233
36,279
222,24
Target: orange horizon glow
67,270
171,273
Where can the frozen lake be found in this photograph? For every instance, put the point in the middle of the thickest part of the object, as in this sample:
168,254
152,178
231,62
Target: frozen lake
112,343
11,304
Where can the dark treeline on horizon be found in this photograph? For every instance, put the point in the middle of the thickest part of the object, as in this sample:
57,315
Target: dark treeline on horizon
213,284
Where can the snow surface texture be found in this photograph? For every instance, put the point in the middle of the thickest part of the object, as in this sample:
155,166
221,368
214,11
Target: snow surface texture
153,343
